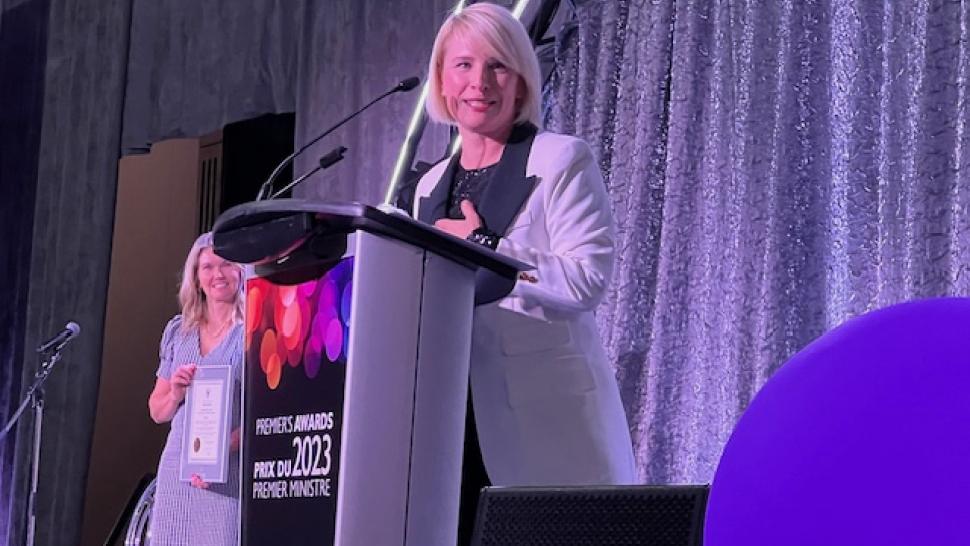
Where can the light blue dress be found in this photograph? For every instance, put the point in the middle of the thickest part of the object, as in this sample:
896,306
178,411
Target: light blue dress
182,514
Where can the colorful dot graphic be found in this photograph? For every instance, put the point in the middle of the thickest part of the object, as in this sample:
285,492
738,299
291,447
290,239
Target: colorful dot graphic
299,328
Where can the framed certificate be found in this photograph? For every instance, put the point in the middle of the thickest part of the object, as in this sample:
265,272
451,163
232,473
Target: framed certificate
205,441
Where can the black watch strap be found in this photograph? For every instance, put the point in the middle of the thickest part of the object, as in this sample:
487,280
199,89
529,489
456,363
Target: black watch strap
484,237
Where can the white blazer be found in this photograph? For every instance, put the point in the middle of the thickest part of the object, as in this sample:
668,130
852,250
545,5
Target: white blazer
546,402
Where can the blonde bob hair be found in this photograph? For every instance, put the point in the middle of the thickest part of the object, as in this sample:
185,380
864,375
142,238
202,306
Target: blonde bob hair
191,296
503,37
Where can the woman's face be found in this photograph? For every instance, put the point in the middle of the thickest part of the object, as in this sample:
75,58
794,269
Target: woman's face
482,94
218,278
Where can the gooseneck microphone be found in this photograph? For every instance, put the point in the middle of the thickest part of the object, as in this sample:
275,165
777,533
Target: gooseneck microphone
401,87
406,84
327,161
70,331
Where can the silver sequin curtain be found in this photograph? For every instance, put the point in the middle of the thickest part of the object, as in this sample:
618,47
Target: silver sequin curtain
776,167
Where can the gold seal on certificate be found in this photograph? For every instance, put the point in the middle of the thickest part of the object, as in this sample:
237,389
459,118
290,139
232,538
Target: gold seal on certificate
208,402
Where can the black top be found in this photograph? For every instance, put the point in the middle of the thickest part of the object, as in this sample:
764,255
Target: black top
468,184
501,200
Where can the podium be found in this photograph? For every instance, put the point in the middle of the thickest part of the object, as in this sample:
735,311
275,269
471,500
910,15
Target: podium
357,340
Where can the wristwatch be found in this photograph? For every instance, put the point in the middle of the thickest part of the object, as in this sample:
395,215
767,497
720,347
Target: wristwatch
483,236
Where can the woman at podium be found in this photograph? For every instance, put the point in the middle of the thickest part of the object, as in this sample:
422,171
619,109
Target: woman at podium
208,332
545,403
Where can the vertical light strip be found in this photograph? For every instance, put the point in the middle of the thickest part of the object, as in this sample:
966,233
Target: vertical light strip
399,164
519,8
416,117
455,145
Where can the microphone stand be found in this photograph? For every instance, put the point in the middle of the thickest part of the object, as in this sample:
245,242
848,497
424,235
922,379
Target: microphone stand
35,398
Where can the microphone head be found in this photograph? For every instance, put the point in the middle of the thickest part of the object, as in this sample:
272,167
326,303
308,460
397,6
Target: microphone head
73,327
407,84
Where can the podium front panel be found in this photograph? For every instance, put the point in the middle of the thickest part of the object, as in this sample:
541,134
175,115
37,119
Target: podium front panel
296,361
355,393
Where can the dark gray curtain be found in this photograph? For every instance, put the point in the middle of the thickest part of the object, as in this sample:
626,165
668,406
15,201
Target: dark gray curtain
23,43
195,66
73,211
776,168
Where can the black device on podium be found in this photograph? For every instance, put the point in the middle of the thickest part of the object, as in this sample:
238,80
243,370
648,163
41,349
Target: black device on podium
358,332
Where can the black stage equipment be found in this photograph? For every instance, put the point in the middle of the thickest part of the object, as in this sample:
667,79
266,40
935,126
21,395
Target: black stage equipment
648,515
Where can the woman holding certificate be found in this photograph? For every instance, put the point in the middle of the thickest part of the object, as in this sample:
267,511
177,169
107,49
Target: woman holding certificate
201,349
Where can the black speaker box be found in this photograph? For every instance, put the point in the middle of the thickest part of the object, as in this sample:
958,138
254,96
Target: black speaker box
591,516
